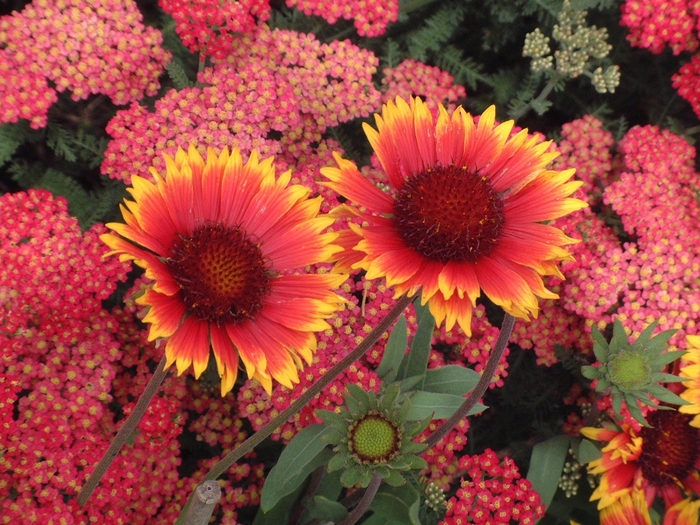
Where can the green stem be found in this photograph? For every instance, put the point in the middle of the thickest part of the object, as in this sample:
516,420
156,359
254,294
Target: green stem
522,111
253,441
124,432
484,382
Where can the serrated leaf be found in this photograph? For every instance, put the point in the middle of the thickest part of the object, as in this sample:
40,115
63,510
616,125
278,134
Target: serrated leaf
440,406
546,463
416,361
304,453
588,451
397,503
451,379
394,351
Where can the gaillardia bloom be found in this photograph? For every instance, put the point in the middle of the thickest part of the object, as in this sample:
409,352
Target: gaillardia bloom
660,460
464,212
221,241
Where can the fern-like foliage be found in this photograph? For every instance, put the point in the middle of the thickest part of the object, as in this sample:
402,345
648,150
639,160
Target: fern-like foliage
11,137
61,184
465,70
391,55
26,174
346,142
60,141
436,31
525,94
177,74
90,149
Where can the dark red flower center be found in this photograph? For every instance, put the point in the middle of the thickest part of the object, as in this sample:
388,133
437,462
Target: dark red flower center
670,448
222,273
449,213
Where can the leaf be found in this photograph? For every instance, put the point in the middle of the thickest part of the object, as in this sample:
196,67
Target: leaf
397,503
304,453
282,511
588,451
451,379
546,463
394,352
177,74
11,137
416,361
441,406
325,510
60,141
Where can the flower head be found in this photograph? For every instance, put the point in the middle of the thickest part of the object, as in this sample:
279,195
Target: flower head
221,241
372,435
632,372
659,460
464,211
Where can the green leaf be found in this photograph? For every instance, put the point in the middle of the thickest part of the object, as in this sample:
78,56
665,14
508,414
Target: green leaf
416,361
394,352
441,406
325,510
304,453
589,372
355,475
601,347
451,379
658,343
11,137
588,451
356,399
546,463
619,338
397,503
666,358
282,511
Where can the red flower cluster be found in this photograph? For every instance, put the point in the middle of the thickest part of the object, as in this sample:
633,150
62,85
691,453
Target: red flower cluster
211,26
277,92
92,47
493,492
432,84
651,185
659,23
371,17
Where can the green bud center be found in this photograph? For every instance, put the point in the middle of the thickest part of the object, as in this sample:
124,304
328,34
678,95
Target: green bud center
629,370
374,438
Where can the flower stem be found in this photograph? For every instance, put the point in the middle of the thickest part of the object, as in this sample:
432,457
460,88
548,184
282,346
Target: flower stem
253,441
124,432
365,502
478,392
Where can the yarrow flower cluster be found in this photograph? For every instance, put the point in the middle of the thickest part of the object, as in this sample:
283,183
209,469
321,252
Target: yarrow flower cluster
492,492
273,83
101,46
211,26
61,355
656,24
370,17
430,83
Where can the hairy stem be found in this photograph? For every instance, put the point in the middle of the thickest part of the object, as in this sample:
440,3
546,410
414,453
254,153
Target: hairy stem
124,432
481,386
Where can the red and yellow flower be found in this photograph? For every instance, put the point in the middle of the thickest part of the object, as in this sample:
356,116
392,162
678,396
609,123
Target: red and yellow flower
466,211
657,461
691,371
222,242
